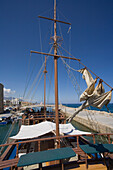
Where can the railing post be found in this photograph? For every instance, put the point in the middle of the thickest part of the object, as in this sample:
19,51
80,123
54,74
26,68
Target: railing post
58,142
77,141
39,146
40,166
17,150
94,139
109,139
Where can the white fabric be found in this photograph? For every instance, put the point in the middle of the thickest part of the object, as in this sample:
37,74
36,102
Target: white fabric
34,131
78,132
88,92
86,76
95,97
92,96
99,101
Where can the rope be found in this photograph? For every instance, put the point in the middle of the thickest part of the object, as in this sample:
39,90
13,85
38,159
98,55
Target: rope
29,79
36,87
92,118
89,69
51,9
74,81
40,38
35,80
63,15
49,88
60,29
69,66
26,84
50,79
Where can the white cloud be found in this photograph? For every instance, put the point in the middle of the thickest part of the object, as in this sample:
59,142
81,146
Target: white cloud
8,92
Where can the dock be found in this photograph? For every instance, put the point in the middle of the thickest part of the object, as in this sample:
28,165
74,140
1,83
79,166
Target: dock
98,121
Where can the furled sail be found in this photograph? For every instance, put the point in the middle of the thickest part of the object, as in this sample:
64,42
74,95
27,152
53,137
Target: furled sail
92,96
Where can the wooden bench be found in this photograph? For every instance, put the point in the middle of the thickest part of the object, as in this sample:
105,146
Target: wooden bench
46,156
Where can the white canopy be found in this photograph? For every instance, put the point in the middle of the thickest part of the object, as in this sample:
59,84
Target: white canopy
34,131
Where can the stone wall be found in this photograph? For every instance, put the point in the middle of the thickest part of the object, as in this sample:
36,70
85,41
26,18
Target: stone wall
98,121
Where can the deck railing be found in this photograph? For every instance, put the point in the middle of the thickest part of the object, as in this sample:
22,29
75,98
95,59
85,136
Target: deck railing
58,138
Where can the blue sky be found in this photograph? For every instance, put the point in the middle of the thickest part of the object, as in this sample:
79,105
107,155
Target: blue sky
90,39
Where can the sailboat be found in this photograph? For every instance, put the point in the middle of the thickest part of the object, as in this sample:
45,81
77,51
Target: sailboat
56,139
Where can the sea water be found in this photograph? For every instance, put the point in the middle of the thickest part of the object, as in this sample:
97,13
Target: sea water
110,107
4,128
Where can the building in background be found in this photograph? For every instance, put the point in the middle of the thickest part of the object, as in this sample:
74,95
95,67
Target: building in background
12,102
1,98
15,102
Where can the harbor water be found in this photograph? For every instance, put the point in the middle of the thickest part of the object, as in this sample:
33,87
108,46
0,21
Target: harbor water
110,107
5,129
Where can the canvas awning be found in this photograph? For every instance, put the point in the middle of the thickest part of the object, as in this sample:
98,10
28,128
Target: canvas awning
34,131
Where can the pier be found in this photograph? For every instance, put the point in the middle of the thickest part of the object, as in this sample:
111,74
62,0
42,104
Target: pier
98,121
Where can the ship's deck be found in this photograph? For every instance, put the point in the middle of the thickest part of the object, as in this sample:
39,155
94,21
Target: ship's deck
76,163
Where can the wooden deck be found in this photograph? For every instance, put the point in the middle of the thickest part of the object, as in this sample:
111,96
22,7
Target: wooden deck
74,164
90,167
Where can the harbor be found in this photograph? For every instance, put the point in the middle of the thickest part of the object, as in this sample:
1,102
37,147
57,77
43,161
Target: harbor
98,121
90,135
37,129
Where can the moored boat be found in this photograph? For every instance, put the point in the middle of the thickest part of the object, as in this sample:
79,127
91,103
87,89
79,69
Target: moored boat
46,141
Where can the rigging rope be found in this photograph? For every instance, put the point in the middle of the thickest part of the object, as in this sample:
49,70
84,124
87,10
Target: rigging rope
63,15
36,87
49,88
40,38
69,66
71,75
88,69
34,82
51,9
27,83
27,77
91,117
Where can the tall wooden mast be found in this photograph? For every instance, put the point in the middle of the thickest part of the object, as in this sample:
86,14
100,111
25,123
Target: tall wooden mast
55,67
56,75
45,71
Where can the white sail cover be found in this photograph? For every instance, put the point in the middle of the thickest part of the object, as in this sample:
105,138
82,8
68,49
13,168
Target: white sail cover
34,131
95,97
92,96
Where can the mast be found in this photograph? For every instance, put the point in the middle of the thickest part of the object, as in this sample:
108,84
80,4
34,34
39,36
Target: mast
55,69
56,76
45,71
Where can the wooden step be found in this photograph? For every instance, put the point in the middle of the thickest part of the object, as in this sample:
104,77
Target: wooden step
79,152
